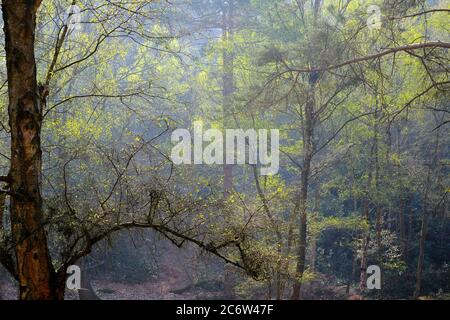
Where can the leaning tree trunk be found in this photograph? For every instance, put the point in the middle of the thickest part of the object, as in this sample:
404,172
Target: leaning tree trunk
86,292
34,268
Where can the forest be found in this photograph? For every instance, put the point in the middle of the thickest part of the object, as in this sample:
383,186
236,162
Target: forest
225,149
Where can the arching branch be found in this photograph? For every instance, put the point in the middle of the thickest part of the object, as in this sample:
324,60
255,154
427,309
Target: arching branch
404,48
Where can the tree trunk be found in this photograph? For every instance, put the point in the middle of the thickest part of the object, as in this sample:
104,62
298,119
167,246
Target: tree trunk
364,247
420,260
229,283
402,229
366,235
303,196
274,226
35,271
410,222
302,234
227,85
315,236
86,292
424,227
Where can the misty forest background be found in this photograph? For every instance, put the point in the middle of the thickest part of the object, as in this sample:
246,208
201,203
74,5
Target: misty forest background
364,123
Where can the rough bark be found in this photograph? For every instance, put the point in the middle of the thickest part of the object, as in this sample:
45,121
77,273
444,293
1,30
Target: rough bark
34,268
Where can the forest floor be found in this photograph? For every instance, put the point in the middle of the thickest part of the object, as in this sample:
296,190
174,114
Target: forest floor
183,275
161,287
174,280
150,290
